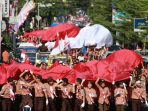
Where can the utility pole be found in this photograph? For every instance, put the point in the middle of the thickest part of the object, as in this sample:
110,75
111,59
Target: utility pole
38,16
0,31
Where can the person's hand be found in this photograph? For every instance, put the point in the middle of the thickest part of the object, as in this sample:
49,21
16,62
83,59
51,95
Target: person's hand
31,72
26,71
113,83
52,96
131,78
83,105
82,82
58,81
47,101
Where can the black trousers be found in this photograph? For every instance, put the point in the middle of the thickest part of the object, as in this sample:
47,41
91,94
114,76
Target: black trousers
78,105
120,107
6,104
66,105
39,103
136,105
90,107
51,105
17,102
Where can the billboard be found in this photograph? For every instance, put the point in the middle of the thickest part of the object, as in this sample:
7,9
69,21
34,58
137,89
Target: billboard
139,23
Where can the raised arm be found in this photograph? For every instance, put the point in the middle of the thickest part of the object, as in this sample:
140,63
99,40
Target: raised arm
96,83
21,75
83,97
34,78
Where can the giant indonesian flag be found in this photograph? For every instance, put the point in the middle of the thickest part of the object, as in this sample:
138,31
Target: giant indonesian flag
115,67
60,45
92,35
50,34
23,14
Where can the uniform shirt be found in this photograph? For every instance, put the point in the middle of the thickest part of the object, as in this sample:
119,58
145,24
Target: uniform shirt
90,94
39,89
66,91
138,93
51,90
121,95
7,91
18,87
80,92
104,94
25,88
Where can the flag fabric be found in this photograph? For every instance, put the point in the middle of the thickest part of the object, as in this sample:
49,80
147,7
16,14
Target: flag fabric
22,16
24,56
50,34
92,35
60,45
115,67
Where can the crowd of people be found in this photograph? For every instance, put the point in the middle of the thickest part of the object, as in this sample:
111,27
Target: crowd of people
31,92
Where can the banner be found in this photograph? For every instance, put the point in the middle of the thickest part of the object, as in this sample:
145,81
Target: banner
5,8
22,16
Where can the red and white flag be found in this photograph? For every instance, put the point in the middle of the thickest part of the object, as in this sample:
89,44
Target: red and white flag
25,58
60,45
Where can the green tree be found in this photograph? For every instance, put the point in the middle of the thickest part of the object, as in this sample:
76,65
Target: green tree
100,12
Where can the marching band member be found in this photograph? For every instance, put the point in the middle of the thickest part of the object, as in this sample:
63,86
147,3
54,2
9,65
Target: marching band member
90,97
7,95
103,96
51,93
80,96
120,95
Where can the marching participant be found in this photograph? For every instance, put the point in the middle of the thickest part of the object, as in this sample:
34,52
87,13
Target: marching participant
138,95
80,96
120,95
18,95
51,93
90,97
103,96
40,93
7,95
25,91
66,90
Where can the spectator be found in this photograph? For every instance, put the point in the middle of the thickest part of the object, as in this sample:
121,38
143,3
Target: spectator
5,56
43,48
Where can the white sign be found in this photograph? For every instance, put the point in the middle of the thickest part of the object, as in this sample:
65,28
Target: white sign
139,23
5,8
38,17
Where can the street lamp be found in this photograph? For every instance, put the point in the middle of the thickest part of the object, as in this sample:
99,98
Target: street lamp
38,17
